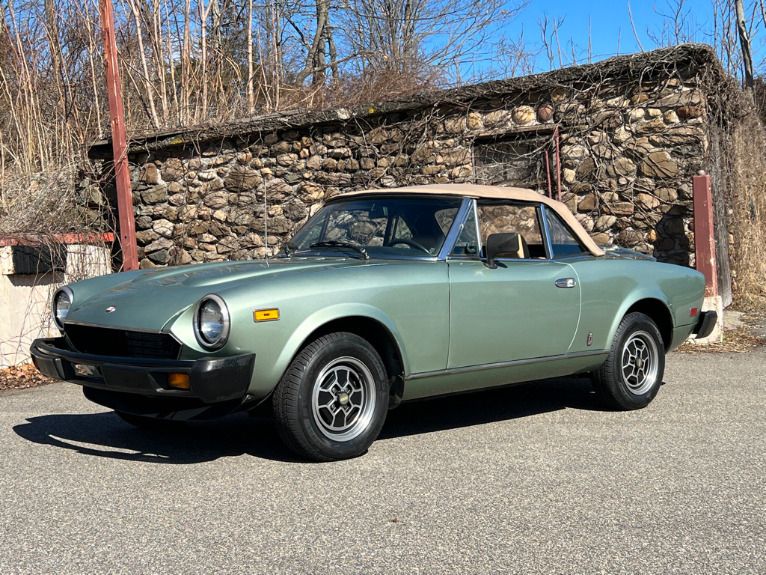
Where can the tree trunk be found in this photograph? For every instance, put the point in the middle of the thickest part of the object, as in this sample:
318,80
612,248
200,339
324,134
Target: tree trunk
148,84
744,41
250,68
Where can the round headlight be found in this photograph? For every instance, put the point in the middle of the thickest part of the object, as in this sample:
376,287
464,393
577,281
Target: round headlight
62,301
211,322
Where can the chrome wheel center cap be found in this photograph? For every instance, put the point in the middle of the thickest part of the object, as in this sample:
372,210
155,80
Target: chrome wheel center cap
343,399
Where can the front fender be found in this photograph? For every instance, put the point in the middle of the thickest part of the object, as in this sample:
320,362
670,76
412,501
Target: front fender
326,315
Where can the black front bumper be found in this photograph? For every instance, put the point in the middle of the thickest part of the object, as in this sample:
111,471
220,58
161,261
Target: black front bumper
705,324
140,385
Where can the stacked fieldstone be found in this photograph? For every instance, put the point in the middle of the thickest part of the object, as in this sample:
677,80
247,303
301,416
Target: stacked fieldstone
628,149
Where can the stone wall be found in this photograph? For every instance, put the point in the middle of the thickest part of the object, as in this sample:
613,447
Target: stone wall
630,134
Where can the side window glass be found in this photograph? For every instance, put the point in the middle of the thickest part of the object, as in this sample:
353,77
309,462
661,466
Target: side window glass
563,241
467,242
504,217
401,229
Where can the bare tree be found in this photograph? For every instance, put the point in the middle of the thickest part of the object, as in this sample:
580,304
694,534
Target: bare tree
322,45
549,34
421,40
744,42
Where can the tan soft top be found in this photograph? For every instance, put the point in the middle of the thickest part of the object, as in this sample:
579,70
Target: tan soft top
495,193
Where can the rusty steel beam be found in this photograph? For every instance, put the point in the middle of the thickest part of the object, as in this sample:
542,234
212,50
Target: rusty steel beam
557,139
119,142
704,239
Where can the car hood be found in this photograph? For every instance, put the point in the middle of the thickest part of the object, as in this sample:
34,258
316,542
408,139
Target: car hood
149,300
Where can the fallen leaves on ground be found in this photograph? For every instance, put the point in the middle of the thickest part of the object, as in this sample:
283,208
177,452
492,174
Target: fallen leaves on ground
22,377
735,341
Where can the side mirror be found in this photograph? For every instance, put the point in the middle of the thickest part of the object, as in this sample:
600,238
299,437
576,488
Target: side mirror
499,245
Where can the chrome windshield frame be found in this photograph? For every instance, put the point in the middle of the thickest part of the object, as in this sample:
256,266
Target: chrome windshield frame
445,250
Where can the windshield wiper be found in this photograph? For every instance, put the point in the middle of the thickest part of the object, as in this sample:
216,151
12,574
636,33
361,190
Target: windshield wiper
342,244
289,248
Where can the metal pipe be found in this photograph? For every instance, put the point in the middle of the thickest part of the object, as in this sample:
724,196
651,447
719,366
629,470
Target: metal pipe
548,173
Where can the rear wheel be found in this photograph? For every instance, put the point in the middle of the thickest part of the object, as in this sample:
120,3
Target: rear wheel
632,374
332,401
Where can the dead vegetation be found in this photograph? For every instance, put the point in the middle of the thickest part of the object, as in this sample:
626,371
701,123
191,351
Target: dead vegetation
746,202
741,340
22,377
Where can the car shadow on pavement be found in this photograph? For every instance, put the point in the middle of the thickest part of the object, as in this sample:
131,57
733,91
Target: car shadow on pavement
106,435
492,405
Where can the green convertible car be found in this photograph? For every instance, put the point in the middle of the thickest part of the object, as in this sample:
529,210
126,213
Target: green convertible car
383,296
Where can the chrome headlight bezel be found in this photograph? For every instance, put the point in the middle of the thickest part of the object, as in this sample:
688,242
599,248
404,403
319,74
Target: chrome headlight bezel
201,333
56,307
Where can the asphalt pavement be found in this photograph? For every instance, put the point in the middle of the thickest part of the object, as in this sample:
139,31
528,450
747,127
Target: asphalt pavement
531,479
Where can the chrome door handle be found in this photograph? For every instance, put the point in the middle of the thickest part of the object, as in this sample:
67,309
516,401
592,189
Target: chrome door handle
566,283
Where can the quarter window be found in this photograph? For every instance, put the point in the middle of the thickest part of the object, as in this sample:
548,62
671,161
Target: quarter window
563,241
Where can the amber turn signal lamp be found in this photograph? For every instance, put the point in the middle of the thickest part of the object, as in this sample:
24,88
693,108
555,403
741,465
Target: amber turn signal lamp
266,315
178,380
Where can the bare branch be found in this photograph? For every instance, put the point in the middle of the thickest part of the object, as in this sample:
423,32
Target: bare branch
633,26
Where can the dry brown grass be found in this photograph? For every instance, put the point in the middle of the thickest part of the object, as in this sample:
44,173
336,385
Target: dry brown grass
743,166
748,211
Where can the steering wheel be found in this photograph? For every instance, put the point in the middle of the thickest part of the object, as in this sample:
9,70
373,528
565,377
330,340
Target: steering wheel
411,243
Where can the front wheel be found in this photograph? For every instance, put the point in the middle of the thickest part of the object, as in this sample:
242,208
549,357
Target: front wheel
332,400
632,374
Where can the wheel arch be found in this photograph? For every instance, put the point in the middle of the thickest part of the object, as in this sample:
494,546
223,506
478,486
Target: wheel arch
377,335
659,312
366,323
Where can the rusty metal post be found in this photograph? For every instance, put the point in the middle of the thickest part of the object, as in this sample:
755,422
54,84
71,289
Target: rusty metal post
558,162
119,141
704,239
548,172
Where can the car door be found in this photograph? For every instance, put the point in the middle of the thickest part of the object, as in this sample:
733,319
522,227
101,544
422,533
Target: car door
527,307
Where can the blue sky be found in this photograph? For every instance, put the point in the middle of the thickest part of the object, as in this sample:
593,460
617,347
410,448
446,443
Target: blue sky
610,27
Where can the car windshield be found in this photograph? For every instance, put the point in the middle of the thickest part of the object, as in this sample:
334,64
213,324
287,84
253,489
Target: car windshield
377,227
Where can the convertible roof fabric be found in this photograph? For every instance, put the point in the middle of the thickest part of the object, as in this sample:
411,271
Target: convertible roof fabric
495,193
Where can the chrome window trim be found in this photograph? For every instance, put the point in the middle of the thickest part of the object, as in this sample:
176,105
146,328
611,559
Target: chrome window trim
547,244
544,233
457,227
552,255
480,246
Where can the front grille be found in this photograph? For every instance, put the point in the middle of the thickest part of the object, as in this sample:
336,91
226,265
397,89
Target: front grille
122,343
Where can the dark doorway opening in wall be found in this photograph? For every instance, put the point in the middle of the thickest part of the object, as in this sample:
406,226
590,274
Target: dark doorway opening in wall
528,158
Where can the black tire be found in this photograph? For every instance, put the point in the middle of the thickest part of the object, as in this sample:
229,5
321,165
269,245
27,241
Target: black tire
632,374
148,423
332,401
